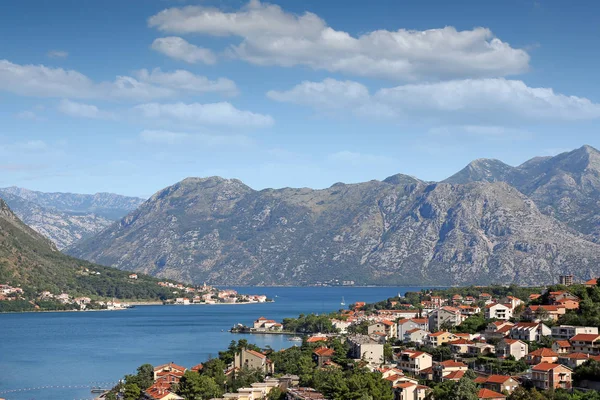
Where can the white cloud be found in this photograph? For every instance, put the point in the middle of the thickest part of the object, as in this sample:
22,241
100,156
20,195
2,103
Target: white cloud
182,80
476,102
329,94
271,36
180,49
181,138
42,81
217,114
81,110
58,54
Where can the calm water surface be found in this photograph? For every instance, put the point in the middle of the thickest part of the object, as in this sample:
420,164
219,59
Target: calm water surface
73,351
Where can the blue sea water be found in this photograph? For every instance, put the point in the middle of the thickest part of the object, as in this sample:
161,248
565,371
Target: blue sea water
62,355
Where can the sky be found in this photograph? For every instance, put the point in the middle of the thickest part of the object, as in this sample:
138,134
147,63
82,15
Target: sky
133,96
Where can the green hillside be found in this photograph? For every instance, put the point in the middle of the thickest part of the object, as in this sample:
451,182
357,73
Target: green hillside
31,262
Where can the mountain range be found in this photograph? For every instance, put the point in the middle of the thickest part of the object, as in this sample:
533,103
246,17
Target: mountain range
31,261
66,218
489,223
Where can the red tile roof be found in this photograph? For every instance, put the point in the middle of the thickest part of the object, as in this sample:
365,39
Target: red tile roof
593,281
324,352
455,375
452,363
543,352
256,354
315,339
585,337
498,378
547,367
489,394
563,343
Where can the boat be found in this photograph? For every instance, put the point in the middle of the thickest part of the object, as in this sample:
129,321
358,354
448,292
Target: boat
343,303
295,339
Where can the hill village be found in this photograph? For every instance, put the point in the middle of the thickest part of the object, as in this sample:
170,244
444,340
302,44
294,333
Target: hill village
501,347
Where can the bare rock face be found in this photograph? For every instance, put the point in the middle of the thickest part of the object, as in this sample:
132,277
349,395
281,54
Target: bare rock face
67,218
397,231
566,186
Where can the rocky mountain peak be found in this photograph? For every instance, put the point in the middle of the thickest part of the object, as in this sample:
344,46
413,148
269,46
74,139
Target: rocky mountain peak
401,179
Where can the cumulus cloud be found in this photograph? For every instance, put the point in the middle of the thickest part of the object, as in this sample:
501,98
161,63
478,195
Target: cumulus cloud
182,80
81,110
216,114
271,36
170,138
479,102
179,49
42,81
58,54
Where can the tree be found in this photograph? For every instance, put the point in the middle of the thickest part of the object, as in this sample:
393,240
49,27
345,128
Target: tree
194,386
110,396
521,393
145,374
132,391
215,369
465,389
276,394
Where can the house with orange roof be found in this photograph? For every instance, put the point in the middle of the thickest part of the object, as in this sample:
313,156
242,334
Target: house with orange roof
161,391
445,317
410,391
322,355
534,296
560,295
439,338
460,346
529,331
407,324
485,297
541,355
586,343
568,304
498,311
497,329
512,347
415,335
316,339
513,301
167,368
449,370
467,311
592,282
573,360
385,326
561,347
487,394
469,300
252,359
551,376
544,312
568,331
500,383
414,362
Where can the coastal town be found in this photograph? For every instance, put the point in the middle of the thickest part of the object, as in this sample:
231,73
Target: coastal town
181,295
426,345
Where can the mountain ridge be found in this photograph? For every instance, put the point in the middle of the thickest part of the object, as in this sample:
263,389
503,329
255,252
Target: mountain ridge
397,231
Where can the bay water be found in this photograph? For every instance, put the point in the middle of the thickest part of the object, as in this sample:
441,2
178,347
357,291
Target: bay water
62,355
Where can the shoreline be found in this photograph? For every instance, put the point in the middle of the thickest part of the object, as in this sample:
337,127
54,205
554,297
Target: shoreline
134,304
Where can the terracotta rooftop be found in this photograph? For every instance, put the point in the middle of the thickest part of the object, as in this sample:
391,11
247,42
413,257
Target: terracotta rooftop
543,352
455,375
547,367
324,352
489,394
585,337
498,378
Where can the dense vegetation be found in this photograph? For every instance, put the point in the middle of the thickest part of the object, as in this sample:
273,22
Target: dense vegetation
310,323
31,262
347,381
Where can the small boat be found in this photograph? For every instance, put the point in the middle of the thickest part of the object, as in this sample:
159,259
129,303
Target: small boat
295,339
343,303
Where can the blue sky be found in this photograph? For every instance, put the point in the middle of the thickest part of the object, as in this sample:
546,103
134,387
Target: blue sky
133,96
